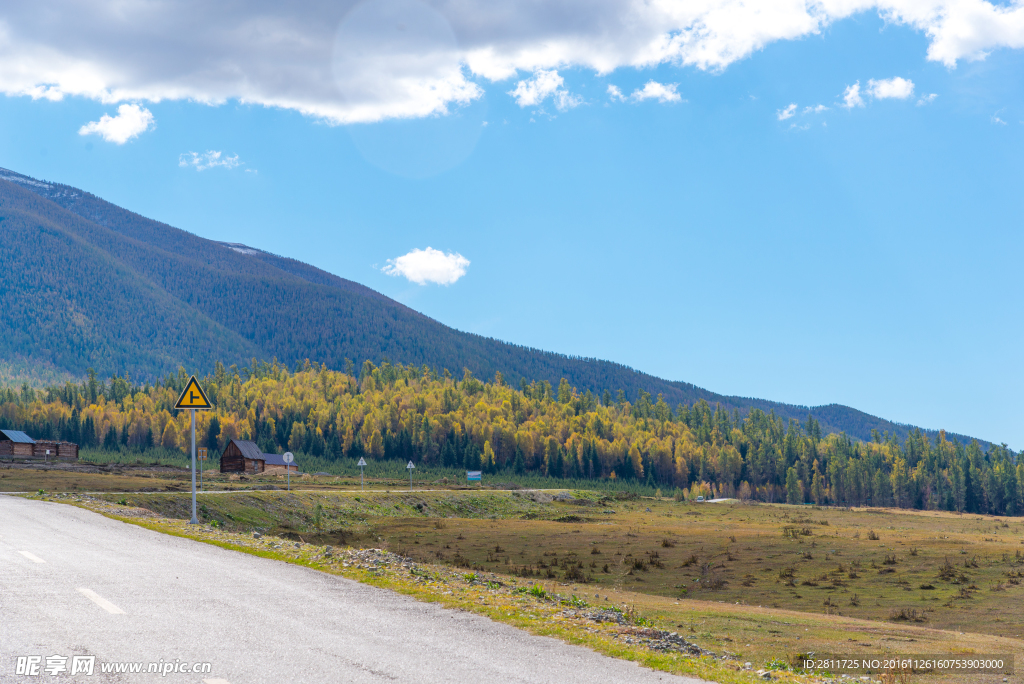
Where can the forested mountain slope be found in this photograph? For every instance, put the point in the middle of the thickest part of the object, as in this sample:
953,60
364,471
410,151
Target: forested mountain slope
87,284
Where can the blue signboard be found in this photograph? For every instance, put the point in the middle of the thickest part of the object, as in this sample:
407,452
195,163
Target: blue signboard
473,475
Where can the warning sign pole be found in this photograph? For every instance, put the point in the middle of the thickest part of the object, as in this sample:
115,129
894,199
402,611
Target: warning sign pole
193,398
194,521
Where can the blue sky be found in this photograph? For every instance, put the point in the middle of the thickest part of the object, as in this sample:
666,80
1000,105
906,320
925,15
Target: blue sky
867,255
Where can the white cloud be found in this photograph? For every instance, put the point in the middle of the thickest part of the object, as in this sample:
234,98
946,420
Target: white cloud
429,265
542,85
565,101
997,120
352,61
208,160
652,90
888,88
44,92
662,92
786,113
851,96
130,122
891,88
927,99
539,87
817,109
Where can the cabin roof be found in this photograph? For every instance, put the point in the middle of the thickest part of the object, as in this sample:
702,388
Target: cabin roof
277,460
16,436
249,450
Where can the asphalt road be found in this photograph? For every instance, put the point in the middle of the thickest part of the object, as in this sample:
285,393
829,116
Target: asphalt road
75,583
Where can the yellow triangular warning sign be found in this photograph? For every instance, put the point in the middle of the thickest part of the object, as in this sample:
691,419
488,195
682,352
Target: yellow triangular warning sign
193,397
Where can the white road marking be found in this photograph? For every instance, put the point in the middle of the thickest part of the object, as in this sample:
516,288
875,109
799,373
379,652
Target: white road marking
32,557
100,601
216,681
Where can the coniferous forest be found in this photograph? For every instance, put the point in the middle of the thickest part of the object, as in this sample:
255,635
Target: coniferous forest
422,414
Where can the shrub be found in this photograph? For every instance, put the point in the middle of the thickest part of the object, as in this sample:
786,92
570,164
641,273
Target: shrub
639,564
906,615
949,573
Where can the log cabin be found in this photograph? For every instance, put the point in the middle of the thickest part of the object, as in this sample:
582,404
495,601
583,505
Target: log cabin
49,450
45,450
242,457
16,444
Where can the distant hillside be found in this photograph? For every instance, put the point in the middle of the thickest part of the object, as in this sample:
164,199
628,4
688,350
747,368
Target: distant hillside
88,284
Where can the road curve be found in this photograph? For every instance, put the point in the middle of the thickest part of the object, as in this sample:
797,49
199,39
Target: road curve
75,583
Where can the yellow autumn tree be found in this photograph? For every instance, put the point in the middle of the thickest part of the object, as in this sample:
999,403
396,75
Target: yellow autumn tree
169,440
297,439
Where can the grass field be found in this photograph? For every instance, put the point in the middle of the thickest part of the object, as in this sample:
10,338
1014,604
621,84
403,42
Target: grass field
761,581
169,467
940,570
57,480
929,568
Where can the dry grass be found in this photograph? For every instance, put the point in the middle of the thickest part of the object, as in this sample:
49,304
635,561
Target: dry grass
760,581
740,632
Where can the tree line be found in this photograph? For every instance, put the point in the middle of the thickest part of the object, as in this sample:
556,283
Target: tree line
405,412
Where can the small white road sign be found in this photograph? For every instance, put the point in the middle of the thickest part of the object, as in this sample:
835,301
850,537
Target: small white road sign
288,458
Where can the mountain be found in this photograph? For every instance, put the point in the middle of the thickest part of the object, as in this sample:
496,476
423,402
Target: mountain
87,284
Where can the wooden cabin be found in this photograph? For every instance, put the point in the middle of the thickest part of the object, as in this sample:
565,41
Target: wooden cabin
49,450
275,464
242,457
16,444
45,450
